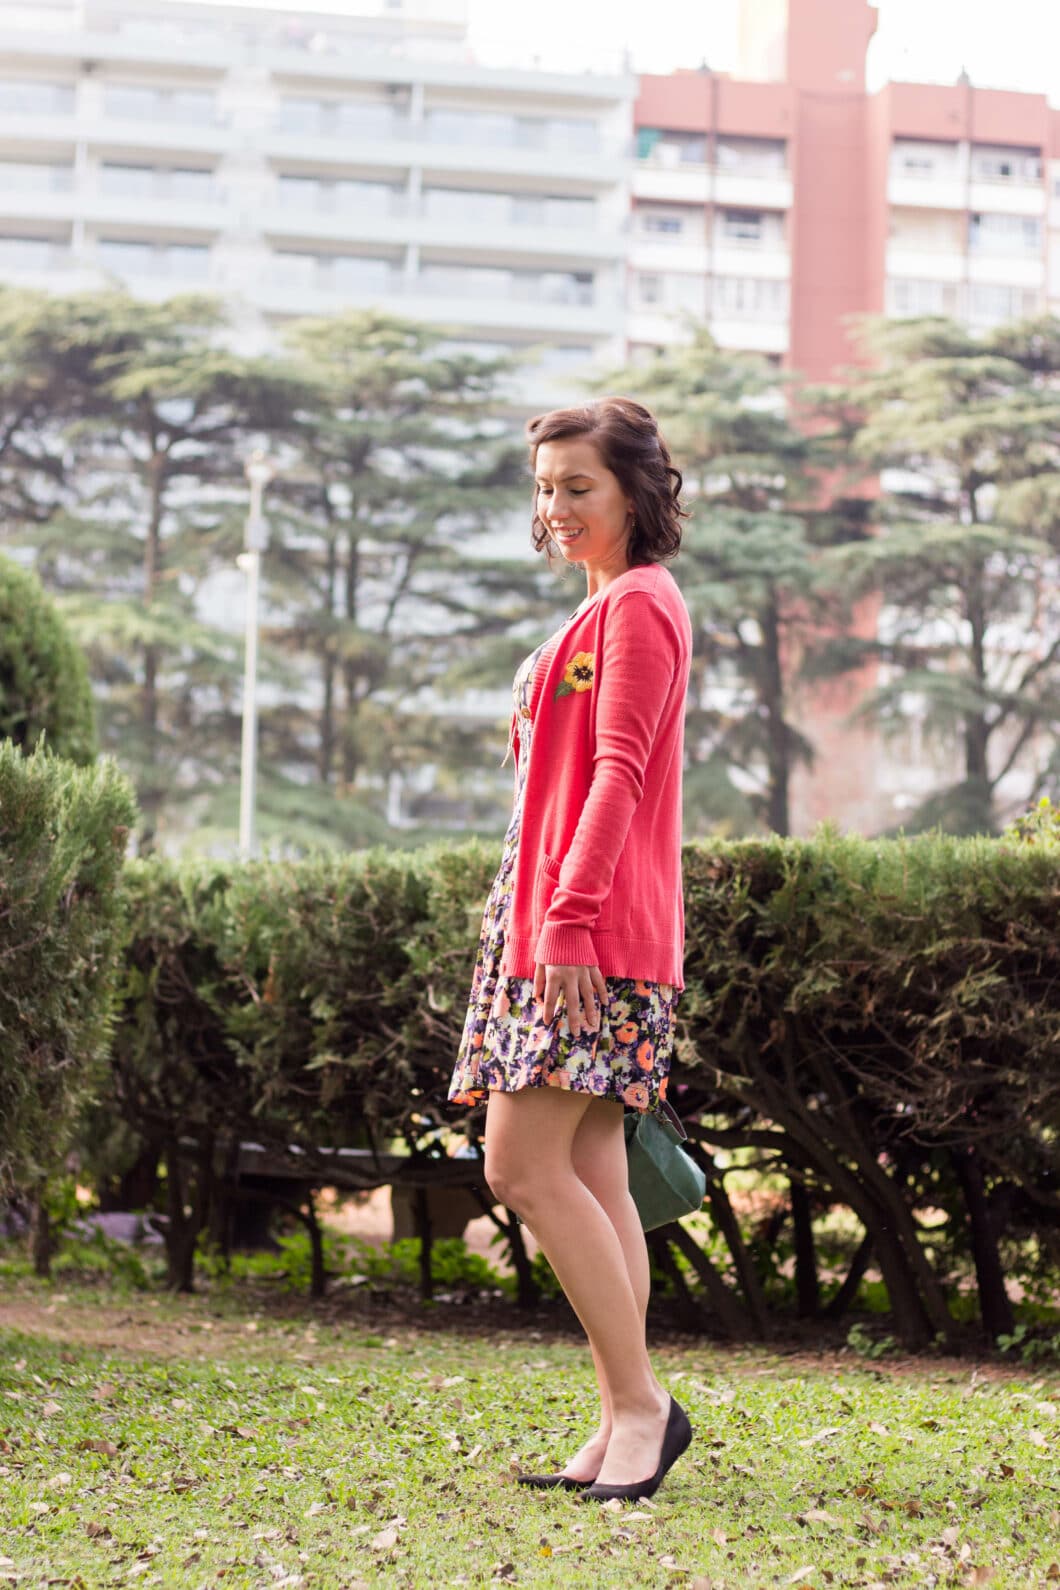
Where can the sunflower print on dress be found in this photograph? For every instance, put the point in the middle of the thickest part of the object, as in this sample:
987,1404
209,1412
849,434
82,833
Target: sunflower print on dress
577,676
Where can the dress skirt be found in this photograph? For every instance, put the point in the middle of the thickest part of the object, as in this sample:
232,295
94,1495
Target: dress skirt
506,1046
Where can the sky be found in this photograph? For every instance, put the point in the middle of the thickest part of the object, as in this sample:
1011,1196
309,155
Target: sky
1001,43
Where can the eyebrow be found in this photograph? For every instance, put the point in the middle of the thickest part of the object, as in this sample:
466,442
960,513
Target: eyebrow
579,474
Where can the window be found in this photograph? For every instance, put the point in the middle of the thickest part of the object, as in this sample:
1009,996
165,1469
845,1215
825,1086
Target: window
294,268
758,157
748,298
663,224
187,261
991,306
742,226
335,118
912,158
36,99
1005,234
357,272
133,102
129,181
649,288
671,148
131,257
189,183
30,253
125,257
1006,165
33,176
914,297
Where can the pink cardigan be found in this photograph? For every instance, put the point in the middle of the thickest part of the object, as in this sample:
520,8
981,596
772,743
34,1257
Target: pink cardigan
598,863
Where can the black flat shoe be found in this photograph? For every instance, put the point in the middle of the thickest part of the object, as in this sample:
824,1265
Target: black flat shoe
546,1482
676,1437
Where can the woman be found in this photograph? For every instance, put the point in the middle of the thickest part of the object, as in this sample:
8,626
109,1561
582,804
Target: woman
571,1016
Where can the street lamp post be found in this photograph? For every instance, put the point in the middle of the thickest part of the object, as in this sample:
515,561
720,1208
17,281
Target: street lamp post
259,472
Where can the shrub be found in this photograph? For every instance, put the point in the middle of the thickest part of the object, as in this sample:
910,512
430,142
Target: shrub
44,688
62,837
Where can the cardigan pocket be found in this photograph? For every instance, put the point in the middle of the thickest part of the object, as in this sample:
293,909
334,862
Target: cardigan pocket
545,887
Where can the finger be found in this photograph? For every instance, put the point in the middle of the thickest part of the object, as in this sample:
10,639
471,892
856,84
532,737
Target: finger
539,981
600,984
589,1005
552,991
572,994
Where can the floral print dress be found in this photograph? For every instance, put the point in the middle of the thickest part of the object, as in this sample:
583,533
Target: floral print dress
505,1044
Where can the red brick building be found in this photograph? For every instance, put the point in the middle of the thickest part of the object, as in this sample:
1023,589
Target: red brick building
779,200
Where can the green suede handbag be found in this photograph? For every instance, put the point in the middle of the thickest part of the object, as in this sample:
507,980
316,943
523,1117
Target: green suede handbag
664,1179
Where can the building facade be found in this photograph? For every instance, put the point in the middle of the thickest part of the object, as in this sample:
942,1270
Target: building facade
779,201
303,166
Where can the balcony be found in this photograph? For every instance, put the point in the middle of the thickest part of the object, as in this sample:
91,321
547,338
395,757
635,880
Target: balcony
388,218
1006,269
520,306
391,138
656,327
928,187
751,186
1007,196
911,257
765,257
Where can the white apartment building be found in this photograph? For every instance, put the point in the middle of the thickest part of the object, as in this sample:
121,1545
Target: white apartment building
302,164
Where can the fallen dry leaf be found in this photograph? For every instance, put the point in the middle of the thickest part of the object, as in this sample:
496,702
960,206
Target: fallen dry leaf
822,1435
817,1515
51,1408
385,1539
96,1443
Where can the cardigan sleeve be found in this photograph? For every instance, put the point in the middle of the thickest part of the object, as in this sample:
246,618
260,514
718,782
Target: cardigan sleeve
634,673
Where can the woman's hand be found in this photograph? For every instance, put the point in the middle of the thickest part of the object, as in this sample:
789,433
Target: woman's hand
580,986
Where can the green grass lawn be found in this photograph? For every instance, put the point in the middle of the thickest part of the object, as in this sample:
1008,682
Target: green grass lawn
182,1442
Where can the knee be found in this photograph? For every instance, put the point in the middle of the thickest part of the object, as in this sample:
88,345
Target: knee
504,1182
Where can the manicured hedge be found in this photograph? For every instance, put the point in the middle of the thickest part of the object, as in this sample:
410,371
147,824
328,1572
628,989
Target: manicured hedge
63,831
877,1022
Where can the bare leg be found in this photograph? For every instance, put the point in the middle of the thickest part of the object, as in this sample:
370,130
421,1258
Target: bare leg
599,1159
529,1146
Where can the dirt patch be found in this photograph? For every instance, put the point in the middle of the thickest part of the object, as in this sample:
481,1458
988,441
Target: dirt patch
193,1329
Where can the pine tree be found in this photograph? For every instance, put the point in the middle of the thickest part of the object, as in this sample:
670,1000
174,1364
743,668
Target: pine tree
746,570
964,554
399,468
154,414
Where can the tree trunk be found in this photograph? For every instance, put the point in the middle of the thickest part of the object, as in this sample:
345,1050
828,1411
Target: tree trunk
187,1213
421,1206
734,1318
527,1291
729,1227
994,1306
837,1306
807,1286
151,793
350,746
771,694
327,709
689,1311
40,1231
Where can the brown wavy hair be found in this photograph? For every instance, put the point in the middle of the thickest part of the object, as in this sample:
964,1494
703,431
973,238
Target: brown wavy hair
627,438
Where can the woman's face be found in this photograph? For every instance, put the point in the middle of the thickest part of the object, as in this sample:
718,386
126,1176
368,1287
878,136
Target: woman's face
582,505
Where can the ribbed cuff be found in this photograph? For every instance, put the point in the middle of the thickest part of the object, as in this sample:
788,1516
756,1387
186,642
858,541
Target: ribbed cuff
565,946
